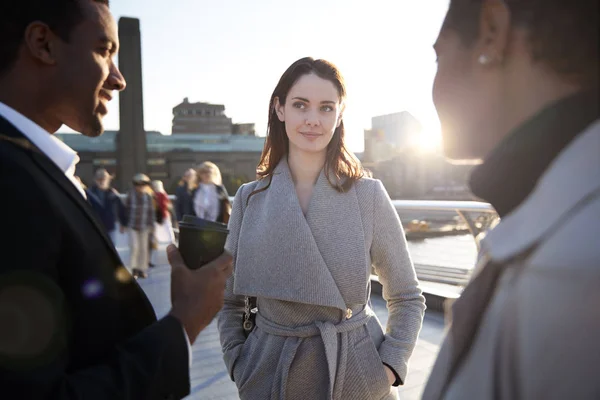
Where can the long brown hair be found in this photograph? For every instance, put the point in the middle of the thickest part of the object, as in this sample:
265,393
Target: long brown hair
339,160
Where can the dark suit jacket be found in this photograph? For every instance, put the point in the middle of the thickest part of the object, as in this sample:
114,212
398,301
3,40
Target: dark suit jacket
94,329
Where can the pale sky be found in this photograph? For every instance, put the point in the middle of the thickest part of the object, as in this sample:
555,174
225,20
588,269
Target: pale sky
233,52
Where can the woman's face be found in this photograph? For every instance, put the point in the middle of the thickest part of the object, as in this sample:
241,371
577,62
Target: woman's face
466,94
205,176
311,113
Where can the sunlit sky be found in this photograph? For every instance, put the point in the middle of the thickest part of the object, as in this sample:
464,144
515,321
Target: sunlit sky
233,52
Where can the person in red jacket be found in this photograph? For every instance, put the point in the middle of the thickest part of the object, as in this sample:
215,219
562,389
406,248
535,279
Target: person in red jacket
163,227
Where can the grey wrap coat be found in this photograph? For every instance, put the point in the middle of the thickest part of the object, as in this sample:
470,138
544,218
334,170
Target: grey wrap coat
316,336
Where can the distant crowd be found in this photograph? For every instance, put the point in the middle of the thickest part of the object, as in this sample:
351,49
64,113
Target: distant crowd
147,214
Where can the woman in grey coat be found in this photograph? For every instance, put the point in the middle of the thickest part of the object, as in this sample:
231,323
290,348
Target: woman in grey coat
303,238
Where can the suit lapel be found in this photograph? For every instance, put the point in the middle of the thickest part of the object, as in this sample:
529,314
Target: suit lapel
53,172
58,177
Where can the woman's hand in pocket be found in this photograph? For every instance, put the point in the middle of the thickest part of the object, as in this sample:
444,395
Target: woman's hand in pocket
390,374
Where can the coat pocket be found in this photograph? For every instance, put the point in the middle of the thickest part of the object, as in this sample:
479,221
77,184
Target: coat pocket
372,368
244,359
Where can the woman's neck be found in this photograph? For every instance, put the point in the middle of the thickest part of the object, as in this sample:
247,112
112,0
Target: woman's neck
305,167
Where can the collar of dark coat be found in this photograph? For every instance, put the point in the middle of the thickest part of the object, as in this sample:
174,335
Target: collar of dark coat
512,170
318,259
571,179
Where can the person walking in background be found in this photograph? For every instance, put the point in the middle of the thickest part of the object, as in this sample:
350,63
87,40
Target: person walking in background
107,204
141,215
304,238
184,194
517,87
211,200
163,227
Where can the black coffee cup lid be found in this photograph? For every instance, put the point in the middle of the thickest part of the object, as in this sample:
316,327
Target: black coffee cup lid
190,221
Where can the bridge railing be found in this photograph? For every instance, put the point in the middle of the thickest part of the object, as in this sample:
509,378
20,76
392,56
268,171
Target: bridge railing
478,217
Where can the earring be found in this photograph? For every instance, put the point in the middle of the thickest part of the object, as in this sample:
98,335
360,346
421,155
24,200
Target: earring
484,60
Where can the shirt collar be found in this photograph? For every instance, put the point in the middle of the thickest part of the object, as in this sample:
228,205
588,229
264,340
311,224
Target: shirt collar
62,155
512,171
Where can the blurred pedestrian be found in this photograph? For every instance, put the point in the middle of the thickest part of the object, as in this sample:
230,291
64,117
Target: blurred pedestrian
141,216
163,227
184,194
106,202
211,200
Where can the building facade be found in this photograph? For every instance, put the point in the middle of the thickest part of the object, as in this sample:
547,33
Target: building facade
206,118
398,130
168,156
407,173
200,118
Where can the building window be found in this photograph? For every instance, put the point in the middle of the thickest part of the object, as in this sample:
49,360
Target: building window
105,161
158,175
156,161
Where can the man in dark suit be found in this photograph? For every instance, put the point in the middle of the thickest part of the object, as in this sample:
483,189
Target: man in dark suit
73,322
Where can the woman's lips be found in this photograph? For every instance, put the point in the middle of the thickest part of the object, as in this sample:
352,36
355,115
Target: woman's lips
310,135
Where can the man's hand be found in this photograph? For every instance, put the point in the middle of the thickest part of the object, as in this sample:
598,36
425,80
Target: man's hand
197,295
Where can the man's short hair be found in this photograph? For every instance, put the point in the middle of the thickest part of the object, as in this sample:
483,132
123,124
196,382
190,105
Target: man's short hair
62,16
563,34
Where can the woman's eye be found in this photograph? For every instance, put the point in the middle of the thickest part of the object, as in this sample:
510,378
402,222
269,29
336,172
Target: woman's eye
327,108
300,105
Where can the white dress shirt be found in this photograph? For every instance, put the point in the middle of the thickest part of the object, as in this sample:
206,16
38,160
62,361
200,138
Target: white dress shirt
56,150
62,155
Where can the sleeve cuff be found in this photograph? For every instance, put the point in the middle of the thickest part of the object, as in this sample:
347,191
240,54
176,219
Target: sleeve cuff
189,346
395,358
398,381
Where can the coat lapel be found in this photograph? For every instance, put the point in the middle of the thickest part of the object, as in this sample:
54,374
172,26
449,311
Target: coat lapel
318,259
335,222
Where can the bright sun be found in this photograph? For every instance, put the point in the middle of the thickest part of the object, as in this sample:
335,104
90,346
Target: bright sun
428,141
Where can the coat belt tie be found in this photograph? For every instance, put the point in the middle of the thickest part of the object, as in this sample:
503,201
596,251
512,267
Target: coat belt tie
329,334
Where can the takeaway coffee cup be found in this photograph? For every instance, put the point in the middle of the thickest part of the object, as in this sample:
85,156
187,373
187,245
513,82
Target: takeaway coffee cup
200,240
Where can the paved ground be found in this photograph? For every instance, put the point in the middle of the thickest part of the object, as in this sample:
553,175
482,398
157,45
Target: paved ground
209,379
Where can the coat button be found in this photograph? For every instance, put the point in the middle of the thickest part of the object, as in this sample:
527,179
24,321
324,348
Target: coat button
348,313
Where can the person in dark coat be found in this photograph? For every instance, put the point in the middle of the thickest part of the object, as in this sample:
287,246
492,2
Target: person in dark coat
107,204
184,202
75,324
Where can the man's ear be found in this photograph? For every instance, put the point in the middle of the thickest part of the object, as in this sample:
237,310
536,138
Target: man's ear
41,43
